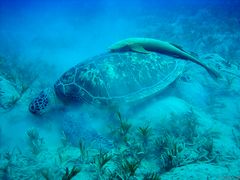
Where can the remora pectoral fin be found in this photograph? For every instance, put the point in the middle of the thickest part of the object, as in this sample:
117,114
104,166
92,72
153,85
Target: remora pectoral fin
139,49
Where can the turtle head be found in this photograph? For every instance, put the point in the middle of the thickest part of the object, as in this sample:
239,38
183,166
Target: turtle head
42,103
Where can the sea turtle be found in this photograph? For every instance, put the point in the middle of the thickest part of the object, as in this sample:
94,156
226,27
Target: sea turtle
112,79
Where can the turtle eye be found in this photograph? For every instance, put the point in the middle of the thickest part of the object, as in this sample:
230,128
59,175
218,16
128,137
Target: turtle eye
32,108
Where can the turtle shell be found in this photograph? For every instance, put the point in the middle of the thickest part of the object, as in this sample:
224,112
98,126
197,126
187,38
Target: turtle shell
114,78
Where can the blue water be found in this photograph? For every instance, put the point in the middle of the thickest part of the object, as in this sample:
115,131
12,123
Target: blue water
189,129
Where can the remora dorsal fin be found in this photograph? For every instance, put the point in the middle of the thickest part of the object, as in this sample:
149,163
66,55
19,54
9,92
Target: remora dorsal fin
194,54
177,46
181,48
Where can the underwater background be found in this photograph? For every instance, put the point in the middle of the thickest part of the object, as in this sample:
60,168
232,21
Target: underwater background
189,131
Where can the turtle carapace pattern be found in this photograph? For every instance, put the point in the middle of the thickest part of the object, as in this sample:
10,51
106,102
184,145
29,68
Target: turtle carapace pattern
115,78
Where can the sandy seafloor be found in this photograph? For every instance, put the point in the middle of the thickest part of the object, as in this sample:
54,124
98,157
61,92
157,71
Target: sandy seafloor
192,131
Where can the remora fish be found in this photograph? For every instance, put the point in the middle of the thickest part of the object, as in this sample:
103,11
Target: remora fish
148,45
